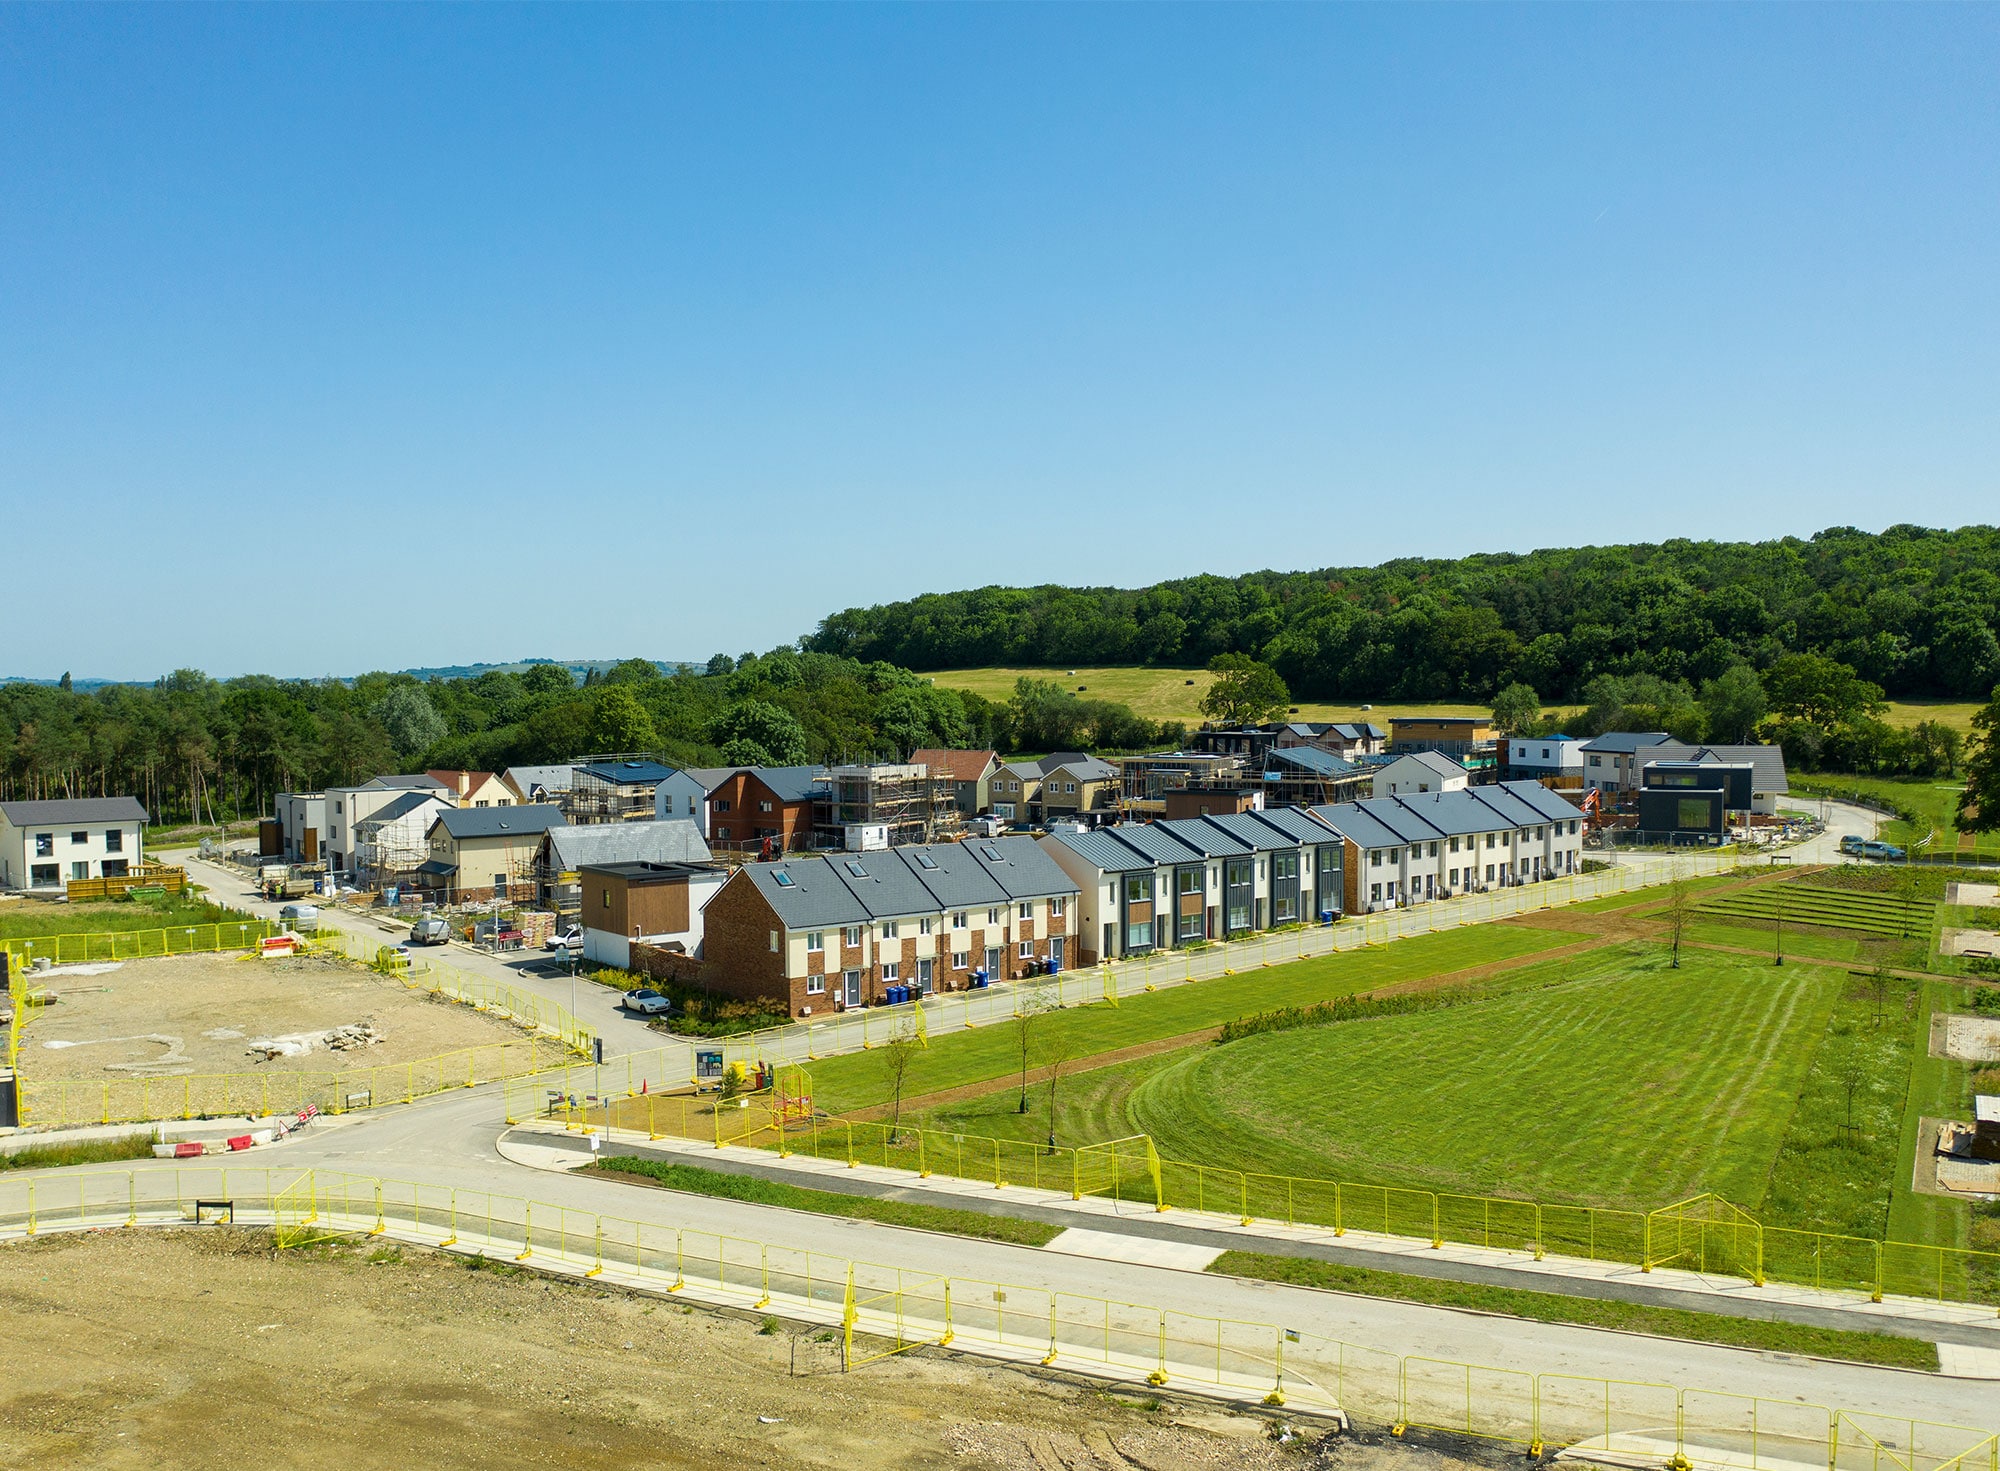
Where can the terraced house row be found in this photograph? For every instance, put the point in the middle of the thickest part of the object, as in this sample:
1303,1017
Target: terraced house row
823,934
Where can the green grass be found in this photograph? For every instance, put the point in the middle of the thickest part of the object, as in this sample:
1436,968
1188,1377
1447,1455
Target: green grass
1879,914
1550,1307
1631,1086
1931,801
34,918
83,1152
841,1084
1939,1087
914,1214
1808,944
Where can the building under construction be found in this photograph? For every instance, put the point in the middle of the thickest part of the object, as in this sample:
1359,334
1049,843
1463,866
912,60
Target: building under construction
613,789
884,806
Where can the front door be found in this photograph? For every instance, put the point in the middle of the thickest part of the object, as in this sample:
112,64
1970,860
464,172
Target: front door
851,984
993,962
1056,951
923,978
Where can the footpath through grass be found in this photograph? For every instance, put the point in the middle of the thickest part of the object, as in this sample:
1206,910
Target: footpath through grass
1552,1307
696,1181
984,1054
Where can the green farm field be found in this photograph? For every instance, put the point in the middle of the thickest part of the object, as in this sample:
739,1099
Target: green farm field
23,919
955,1060
1165,694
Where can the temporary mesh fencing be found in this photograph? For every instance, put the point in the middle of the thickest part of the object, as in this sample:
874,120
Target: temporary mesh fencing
879,1310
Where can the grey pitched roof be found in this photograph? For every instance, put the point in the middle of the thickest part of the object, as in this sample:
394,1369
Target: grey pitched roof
1309,758
493,822
1767,762
791,783
1360,730
1020,867
1102,851
1208,836
1408,825
1262,837
1161,842
1080,766
953,876
1442,765
419,782
1624,742
881,883
1025,770
805,894
1552,806
1347,819
1293,822
675,840
74,809
1453,812
397,807
711,777
524,779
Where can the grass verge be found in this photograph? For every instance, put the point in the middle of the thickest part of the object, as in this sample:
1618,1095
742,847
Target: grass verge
1588,1312
83,1152
696,1181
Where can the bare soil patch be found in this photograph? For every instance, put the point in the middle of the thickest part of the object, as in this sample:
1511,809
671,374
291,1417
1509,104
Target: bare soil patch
200,1014
141,1349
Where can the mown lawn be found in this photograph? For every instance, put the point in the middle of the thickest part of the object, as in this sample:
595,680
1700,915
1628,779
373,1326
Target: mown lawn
953,1060
1631,1086
1933,800
1164,694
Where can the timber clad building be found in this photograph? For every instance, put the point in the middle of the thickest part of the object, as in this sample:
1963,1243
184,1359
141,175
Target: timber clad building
823,934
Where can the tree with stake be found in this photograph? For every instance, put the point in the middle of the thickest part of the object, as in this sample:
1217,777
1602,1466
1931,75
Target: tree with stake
1909,889
1029,1008
1060,1051
1680,911
1853,1078
1879,982
897,1055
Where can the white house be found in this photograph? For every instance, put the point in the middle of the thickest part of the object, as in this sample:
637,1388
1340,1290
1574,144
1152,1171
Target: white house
1613,763
1540,756
302,818
347,807
392,842
43,845
1421,771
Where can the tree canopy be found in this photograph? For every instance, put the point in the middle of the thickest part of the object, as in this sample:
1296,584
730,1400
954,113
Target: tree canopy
1909,609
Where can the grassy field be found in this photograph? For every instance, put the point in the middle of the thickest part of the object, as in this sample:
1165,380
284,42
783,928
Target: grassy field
1884,915
1955,713
1809,944
841,1084
1632,1085
23,919
1166,694
1934,803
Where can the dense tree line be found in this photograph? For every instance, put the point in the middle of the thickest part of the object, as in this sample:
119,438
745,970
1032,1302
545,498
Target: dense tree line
1912,610
199,749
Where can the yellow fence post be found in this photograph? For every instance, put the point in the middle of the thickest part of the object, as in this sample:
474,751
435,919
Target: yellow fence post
527,1231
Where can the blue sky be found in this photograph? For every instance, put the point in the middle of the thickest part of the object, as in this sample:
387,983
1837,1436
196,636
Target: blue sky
335,338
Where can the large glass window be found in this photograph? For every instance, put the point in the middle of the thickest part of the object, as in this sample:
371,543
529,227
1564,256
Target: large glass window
1190,881
1138,888
1139,935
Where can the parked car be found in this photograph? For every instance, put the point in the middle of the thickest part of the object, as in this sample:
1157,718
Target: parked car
1888,851
566,937
646,1002
301,918
430,931
1852,843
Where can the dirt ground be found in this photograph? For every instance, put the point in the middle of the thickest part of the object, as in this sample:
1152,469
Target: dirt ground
130,1349
200,1013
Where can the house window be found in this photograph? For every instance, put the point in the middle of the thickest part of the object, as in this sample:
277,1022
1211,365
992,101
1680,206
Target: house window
480,804
1374,857
721,804
888,929
960,959
1489,840
114,839
852,934
499,886
606,896
45,847
80,869
1069,786
992,917
1058,907
924,925
1138,888
1374,893
816,985
958,920
1434,850
1191,926
890,970
1454,845
763,806
815,942
79,840
1489,873
774,942
1027,949
42,875
1190,881
1027,911
722,832
1572,827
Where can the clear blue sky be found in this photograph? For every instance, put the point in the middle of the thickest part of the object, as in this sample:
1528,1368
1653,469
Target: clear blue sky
336,338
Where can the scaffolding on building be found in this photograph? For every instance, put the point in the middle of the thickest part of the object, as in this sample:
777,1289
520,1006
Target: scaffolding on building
886,805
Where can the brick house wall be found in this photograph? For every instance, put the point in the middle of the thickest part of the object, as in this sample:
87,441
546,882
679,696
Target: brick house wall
736,945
